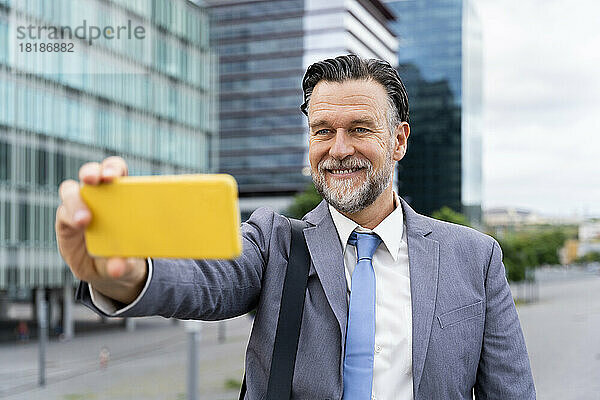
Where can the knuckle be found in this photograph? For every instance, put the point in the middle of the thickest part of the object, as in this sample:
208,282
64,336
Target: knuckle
117,162
65,186
62,220
88,166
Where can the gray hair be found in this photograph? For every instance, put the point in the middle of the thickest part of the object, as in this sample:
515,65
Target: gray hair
351,67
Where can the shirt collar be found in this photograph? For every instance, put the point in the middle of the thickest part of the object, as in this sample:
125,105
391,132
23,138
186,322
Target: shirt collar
387,229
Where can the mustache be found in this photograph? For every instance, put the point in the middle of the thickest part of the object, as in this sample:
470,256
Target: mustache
346,163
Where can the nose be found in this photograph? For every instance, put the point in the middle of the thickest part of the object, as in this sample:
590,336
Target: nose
341,146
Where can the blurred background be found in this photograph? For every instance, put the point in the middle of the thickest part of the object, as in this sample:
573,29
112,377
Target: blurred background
504,99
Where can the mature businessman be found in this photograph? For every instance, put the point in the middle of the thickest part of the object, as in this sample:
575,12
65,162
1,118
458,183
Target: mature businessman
398,305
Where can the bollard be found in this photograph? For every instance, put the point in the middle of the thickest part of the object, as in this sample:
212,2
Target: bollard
193,328
221,332
42,313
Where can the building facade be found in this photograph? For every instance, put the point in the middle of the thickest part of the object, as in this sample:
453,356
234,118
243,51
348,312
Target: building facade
440,62
264,49
144,89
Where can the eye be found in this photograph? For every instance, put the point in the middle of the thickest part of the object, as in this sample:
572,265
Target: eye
361,130
322,132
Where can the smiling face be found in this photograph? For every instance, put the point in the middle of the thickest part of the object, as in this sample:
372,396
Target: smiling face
352,152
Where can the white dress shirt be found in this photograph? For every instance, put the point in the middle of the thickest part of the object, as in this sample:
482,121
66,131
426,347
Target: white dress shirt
111,307
392,366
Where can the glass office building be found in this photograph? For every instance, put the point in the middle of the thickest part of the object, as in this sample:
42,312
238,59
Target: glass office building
134,78
264,49
440,63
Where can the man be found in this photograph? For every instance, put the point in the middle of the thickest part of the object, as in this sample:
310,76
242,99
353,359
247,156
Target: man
398,305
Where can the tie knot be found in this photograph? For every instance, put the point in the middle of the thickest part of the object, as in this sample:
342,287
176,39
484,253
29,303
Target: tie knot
365,243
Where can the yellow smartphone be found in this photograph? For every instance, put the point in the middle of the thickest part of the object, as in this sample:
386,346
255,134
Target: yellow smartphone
177,216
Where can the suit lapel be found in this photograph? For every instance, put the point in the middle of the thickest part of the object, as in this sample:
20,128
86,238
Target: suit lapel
423,257
327,256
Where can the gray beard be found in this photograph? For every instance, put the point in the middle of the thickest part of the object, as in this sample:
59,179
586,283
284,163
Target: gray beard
342,194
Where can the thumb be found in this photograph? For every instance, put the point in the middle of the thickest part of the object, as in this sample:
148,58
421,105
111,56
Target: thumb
109,268
115,267
131,270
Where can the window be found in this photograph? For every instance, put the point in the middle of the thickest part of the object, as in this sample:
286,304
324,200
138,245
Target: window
3,39
42,170
59,168
5,160
5,220
23,223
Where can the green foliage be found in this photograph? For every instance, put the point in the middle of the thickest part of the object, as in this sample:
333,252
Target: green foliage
79,396
517,257
523,251
526,250
449,215
588,258
232,384
304,202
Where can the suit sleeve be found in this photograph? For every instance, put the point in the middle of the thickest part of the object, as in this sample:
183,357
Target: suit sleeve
504,371
205,289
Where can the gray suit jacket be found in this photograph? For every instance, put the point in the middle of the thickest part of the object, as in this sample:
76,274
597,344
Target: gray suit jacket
466,333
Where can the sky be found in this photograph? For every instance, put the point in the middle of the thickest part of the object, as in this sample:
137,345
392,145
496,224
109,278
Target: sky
541,146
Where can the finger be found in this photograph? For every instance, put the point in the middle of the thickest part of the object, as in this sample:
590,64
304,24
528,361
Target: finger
116,267
113,167
77,213
130,269
90,173
63,219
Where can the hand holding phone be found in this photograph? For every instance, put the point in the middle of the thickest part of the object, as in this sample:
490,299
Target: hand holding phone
179,216
119,278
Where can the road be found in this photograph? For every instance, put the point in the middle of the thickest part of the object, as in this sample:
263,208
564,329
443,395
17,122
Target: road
562,331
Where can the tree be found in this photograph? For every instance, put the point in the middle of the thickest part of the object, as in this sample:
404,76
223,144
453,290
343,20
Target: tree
522,251
449,215
525,250
588,258
518,256
304,202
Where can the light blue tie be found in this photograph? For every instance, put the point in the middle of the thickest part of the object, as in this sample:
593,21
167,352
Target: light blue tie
360,336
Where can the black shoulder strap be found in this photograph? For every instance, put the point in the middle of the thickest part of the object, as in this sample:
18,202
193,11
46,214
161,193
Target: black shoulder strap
290,317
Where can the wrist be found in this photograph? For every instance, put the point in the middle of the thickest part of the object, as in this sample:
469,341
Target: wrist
126,289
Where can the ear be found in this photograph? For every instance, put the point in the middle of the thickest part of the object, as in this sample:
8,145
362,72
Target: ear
400,139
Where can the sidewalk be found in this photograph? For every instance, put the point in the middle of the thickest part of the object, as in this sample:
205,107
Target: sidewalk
148,363
562,333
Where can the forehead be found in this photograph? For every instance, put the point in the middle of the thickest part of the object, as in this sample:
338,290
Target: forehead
348,98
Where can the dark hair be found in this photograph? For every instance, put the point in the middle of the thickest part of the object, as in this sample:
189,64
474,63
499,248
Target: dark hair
349,67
